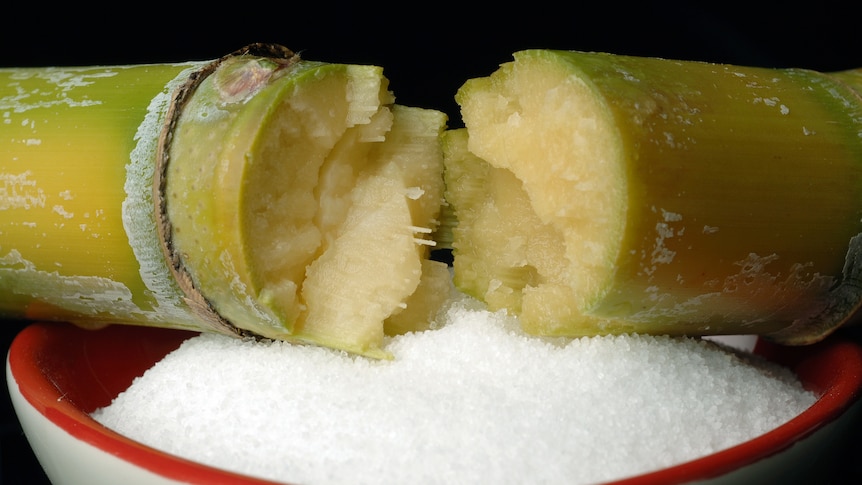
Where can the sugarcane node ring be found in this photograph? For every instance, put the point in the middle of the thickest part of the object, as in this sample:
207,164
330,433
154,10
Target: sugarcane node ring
199,304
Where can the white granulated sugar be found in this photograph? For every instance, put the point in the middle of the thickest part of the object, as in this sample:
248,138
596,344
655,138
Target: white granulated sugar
474,401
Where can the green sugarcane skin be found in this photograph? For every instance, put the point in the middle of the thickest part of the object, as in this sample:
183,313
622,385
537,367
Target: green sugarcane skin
77,235
743,197
776,161
852,78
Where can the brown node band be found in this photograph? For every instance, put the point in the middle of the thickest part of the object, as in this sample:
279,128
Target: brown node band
197,302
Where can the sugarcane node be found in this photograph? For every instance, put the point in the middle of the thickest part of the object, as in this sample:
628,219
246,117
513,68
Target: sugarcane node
194,298
842,309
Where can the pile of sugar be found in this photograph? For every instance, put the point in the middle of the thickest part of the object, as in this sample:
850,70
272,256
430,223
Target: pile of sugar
474,401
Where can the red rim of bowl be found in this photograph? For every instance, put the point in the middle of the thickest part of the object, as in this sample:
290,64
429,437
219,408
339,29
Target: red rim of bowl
45,357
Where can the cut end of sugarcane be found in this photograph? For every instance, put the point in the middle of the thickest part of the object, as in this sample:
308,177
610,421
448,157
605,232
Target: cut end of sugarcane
536,183
339,239
311,217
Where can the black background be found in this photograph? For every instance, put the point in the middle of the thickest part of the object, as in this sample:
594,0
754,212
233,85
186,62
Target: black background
427,50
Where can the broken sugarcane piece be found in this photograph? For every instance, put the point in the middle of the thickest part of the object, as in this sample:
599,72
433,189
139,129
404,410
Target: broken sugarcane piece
224,195
601,194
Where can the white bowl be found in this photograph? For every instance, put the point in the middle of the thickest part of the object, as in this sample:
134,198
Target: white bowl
58,374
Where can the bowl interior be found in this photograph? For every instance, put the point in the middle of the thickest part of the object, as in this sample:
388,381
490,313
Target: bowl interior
66,372
87,367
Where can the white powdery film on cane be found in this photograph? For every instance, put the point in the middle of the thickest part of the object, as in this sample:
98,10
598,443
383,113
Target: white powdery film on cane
139,207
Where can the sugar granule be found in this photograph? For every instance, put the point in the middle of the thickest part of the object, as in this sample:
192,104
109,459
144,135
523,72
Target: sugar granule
474,401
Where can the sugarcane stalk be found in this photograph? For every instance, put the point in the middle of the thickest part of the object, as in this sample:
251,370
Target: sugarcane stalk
207,195
78,233
601,194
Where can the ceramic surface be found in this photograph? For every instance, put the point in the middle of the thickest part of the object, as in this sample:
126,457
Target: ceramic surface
57,374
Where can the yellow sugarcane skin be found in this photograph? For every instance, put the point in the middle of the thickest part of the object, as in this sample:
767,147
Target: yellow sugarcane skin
745,189
77,151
